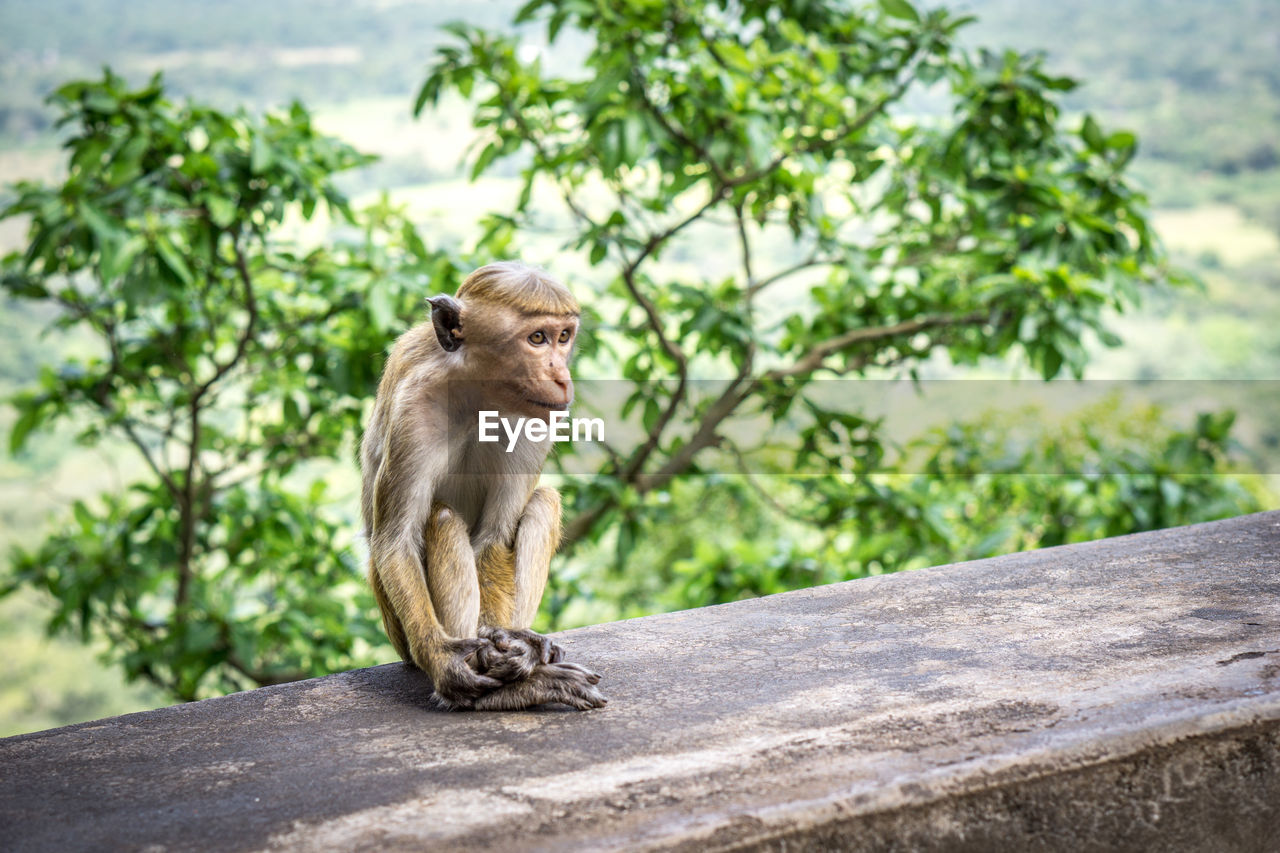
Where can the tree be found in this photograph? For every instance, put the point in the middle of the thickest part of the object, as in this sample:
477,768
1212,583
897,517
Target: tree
974,224
232,362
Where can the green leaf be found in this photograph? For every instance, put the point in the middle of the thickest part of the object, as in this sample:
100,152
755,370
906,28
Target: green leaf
486,157
105,229
735,55
100,101
1122,140
222,210
1172,493
430,92
173,260
465,81
32,416
1052,363
900,9
1109,338
829,59
83,517
413,242
382,306
527,11
1092,134
261,157
791,31
117,259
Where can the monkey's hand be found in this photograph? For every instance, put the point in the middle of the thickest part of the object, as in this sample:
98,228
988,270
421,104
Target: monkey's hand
566,683
458,672
515,652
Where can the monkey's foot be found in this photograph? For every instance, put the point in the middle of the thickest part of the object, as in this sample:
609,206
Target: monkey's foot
515,652
462,679
566,683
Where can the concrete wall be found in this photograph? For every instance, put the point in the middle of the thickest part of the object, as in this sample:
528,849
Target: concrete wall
1116,695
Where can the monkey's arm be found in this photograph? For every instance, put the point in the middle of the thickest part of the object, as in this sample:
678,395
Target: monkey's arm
512,581
513,578
537,540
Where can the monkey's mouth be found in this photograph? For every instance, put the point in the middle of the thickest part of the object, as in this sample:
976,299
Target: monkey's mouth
543,404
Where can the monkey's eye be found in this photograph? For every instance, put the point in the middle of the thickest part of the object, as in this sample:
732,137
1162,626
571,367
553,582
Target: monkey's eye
564,336
538,338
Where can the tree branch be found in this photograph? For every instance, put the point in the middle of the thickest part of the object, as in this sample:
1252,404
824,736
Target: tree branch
263,678
744,244
187,498
186,512
770,500
705,436
773,278
250,326
739,390
749,356
127,424
638,83
815,358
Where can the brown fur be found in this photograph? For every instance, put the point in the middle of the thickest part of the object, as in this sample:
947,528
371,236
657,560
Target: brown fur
433,498
497,570
514,285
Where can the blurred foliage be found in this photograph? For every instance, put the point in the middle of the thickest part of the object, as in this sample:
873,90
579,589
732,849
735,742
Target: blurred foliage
51,681
237,365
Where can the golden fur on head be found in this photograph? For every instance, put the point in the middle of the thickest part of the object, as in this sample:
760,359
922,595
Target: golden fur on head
527,289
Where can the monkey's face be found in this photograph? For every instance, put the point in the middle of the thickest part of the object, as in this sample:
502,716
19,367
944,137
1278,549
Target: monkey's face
544,384
525,362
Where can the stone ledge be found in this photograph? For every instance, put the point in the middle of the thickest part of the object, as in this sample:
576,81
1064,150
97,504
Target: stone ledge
1120,694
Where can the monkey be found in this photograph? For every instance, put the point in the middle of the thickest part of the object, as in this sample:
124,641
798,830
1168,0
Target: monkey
460,535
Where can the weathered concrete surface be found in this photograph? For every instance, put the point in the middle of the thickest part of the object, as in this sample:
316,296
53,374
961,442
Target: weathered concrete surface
1117,695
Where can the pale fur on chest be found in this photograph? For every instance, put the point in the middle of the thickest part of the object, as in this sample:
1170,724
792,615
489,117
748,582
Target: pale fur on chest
490,487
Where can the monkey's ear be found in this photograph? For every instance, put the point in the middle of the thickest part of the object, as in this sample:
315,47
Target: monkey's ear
446,316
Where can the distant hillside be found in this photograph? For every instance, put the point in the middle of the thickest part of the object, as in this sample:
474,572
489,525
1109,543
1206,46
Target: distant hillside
1200,82
1202,78
228,52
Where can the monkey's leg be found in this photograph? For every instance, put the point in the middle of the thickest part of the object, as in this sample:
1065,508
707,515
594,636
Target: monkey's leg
512,657
390,622
514,653
414,629
451,572
496,568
